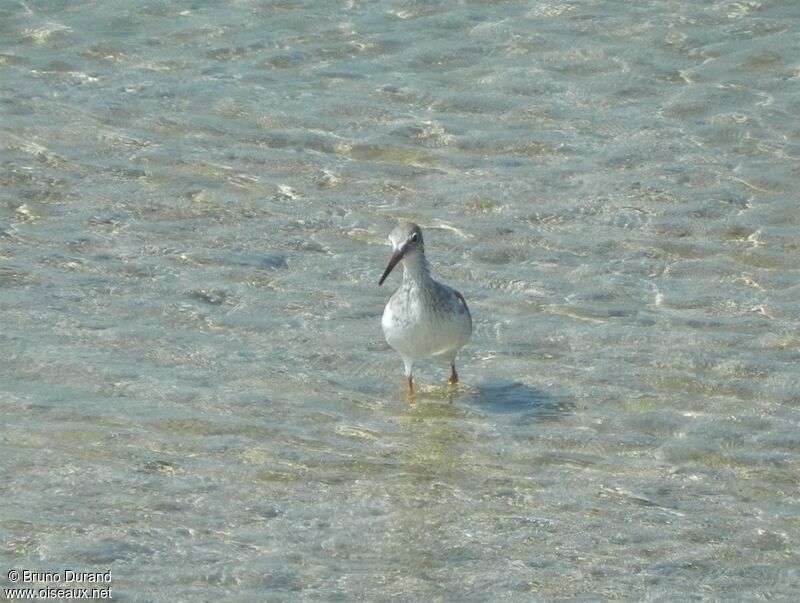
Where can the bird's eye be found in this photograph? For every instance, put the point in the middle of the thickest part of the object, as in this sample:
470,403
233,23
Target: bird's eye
414,237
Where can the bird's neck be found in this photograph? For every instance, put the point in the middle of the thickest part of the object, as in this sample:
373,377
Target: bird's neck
415,268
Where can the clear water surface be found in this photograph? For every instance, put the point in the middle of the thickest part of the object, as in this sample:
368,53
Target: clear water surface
195,394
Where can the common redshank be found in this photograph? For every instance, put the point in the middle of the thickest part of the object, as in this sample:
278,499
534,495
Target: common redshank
423,318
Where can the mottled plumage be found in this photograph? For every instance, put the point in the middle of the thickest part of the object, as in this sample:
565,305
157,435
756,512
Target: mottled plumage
423,318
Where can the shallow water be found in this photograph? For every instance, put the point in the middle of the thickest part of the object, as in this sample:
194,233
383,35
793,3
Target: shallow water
196,394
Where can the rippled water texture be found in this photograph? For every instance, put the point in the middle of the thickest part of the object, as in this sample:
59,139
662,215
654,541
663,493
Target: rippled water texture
196,394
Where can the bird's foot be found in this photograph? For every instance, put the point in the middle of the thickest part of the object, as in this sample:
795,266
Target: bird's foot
453,376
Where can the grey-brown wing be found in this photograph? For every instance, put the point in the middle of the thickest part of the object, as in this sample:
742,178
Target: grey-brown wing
462,304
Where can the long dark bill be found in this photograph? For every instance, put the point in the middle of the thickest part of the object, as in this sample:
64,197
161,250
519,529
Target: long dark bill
396,257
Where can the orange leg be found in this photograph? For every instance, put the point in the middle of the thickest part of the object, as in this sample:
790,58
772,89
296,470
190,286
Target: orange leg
410,388
453,375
